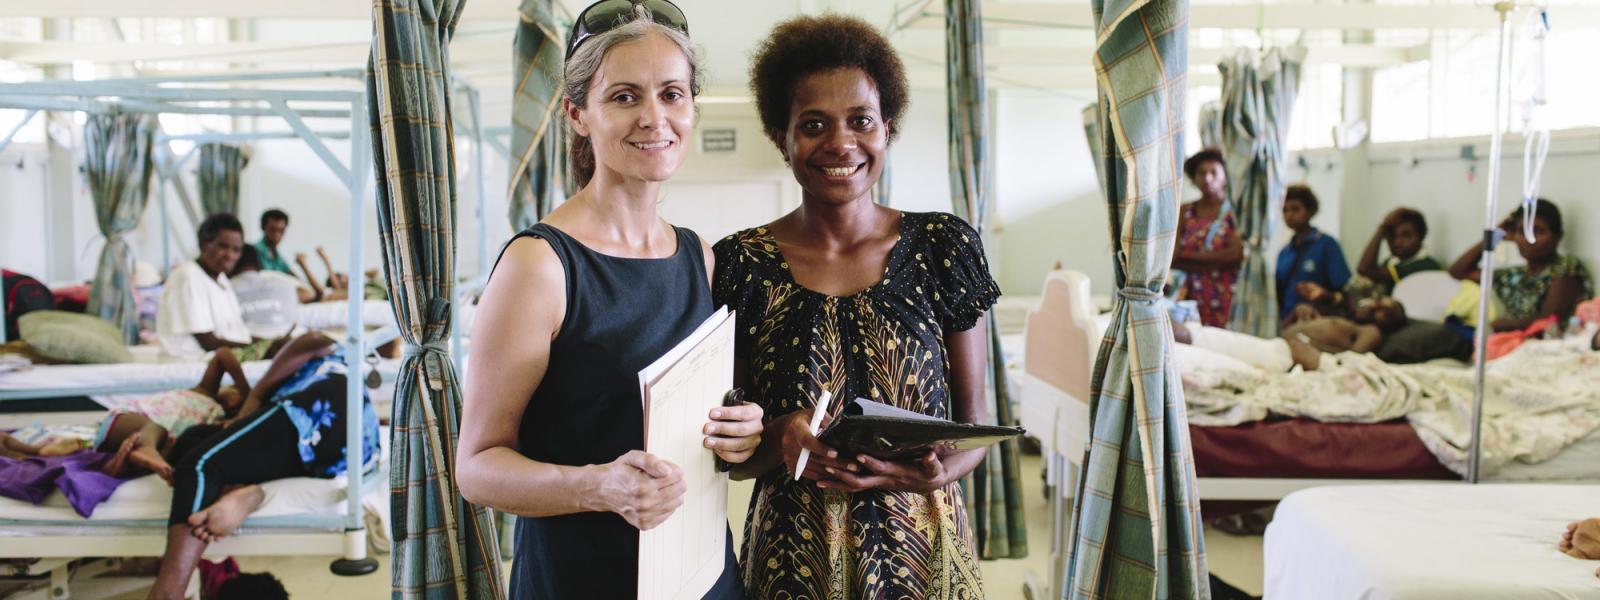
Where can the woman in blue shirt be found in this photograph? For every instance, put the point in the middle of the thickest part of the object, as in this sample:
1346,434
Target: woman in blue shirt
1311,256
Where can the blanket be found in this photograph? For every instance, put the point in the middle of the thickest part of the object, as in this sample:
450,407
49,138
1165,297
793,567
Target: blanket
77,475
1537,401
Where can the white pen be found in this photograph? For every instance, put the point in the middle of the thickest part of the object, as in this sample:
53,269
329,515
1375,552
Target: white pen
816,423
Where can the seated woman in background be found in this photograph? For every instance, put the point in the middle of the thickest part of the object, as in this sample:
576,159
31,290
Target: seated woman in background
291,424
1311,256
1551,284
268,300
1209,249
1404,231
198,311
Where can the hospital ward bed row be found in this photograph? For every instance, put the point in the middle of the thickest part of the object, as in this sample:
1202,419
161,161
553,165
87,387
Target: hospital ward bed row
1345,483
299,516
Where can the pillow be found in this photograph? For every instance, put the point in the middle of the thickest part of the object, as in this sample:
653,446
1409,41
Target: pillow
1422,341
73,337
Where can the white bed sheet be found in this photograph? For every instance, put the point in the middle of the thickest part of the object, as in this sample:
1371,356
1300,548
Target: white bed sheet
148,499
1421,541
175,374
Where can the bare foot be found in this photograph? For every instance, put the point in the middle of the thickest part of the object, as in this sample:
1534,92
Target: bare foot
59,448
223,517
117,465
148,458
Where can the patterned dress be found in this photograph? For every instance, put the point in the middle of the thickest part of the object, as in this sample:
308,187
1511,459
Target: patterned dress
1523,292
1212,290
314,400
885,343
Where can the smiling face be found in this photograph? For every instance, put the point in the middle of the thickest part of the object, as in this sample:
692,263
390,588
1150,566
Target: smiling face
220,254
640,111
836,138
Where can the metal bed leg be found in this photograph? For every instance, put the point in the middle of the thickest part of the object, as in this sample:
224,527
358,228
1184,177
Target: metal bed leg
355,561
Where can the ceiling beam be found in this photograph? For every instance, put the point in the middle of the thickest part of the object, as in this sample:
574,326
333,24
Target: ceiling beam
1254,15
478,10
496,50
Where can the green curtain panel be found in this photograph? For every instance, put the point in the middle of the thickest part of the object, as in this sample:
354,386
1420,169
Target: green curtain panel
217,177
117,166
534,114
443,547
1251,126
1137,530
994,491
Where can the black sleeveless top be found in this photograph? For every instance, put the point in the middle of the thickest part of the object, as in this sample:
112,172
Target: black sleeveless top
622,314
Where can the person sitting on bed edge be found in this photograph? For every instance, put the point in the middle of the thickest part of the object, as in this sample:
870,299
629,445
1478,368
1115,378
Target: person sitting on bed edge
291,424
198,311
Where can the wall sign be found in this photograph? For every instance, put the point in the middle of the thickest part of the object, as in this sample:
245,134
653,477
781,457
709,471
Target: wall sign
718,140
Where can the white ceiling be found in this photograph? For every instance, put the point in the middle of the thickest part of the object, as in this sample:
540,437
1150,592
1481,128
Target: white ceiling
1036,44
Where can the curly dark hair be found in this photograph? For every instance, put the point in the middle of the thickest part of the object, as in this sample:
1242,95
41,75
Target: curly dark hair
1203,157
807,45
1543,210
1302,193
215,224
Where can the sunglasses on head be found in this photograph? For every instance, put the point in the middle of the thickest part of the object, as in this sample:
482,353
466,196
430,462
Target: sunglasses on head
606,15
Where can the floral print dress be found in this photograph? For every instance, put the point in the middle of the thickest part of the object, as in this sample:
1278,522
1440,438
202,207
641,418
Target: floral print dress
1523,292
885,343
1212,290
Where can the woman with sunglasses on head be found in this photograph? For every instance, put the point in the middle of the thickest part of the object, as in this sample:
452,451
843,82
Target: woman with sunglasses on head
552,425
852,298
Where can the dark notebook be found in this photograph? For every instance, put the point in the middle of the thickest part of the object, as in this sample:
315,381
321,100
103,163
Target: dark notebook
886,432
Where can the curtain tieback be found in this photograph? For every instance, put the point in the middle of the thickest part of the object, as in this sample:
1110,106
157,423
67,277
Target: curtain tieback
434,356
1138,294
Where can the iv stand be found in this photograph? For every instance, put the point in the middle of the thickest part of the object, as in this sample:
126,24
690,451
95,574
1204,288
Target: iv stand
1491,237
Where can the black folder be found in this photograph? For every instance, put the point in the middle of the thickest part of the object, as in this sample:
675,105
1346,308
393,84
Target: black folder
886,432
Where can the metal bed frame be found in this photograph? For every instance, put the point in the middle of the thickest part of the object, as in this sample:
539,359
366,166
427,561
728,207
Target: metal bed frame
345,535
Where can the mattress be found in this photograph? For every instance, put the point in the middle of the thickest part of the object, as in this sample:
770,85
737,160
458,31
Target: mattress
147,501
141,374
1422,541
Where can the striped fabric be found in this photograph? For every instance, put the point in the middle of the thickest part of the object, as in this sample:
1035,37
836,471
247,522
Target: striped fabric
1137,530
443,547
217,178
994,490
116,164
1251,127
535,114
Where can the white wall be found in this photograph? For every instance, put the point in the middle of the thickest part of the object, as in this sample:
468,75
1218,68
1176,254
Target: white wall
1047,196
1450,191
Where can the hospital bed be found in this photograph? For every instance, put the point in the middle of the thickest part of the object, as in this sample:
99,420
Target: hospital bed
1407,542
1051,365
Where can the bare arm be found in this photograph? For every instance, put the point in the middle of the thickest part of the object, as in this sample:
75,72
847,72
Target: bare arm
316,288
223,363
1560,300
1229,256
1466,266
1368,265
513,339
1368,338
290,359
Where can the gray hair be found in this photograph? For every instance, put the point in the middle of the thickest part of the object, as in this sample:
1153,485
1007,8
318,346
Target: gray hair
585,63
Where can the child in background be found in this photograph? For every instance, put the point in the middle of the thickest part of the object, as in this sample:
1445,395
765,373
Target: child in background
1404,231
1311,256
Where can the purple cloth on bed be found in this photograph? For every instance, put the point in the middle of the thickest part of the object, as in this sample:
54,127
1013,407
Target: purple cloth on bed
77,475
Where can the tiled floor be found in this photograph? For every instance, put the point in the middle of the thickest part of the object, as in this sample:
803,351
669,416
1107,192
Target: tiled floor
1234,559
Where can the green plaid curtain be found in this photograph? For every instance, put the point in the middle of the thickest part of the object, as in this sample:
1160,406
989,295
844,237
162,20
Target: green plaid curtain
1137,530
994,491
217,177
1251,128
534,114
443,547
117,153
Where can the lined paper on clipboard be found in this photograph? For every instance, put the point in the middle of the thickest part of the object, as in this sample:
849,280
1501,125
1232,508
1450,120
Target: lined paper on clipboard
682,557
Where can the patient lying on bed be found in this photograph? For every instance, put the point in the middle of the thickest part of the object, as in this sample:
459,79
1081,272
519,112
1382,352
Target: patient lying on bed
1304,340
